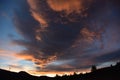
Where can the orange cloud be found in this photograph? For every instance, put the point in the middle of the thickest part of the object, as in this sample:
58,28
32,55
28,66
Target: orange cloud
38,37
14,65
27,57
39,18
1,50
89,35
35,13
68,6
42,62
6,53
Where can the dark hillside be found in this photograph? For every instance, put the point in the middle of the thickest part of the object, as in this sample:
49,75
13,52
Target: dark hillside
108,73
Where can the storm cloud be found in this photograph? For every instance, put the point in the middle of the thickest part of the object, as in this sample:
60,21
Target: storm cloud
75,32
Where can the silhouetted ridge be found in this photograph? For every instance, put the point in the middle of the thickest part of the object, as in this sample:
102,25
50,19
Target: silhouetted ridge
107,73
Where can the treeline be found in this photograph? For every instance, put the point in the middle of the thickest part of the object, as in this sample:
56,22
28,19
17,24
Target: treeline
107,73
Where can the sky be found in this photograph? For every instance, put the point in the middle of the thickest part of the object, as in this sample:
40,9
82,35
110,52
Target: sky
49,37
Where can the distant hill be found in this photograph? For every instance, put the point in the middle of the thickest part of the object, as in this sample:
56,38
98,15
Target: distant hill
108,73
7,75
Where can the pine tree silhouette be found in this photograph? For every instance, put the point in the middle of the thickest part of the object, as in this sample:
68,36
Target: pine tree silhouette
93,68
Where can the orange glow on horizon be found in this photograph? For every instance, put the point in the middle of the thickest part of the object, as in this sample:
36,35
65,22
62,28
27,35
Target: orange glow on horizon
49,74
53,74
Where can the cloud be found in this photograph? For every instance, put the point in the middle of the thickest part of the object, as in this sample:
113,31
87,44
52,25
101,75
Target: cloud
15,66
43,44
8,57
39,59
113,56
68,6
50,37
90,36
61,68
65,5
4,52
36,14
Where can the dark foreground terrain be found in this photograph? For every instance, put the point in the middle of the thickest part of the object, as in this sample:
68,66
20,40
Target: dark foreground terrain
108,73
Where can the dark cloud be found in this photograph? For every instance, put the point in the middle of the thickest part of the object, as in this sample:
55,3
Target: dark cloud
53,68
52,34
113,56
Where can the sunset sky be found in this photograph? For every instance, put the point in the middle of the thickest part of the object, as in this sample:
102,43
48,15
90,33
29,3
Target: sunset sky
49,37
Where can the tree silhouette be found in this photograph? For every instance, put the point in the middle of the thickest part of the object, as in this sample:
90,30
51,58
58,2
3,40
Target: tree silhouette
118,64
93,68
